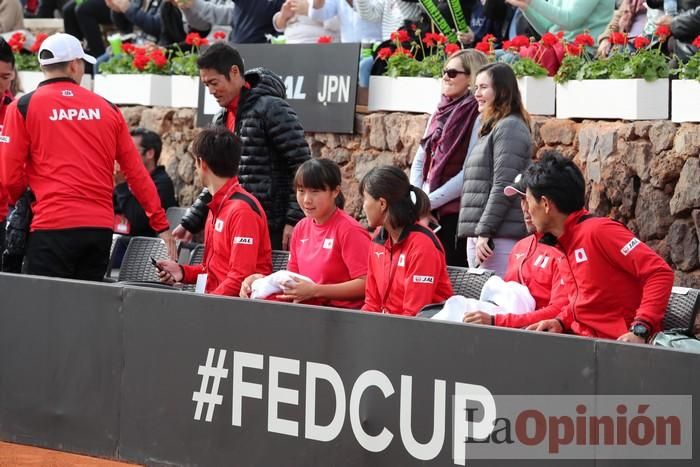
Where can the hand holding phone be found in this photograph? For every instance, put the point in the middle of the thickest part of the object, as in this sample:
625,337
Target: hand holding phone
155,263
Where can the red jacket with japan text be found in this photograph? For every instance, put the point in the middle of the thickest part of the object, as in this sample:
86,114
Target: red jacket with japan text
536,266
614,278
62,141
405,276
236,240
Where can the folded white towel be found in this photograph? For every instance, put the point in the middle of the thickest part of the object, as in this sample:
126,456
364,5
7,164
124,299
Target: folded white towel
272,284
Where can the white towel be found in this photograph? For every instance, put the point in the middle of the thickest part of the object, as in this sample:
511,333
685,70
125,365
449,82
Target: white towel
272,284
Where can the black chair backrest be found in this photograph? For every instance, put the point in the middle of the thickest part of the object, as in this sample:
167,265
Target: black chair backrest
683,307
137,265
174,215
197,256
428,311
468,281
279,260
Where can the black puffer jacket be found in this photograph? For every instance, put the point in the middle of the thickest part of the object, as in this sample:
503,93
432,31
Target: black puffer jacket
273,148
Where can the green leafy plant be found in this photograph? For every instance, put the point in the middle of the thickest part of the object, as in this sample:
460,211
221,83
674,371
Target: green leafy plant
691,69
25,61
528,67
402,61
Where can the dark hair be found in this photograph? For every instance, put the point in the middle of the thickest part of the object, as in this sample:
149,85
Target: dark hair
507,99
60,66
320,174
6,54
559,179
392,184
149,140
221,57
220,149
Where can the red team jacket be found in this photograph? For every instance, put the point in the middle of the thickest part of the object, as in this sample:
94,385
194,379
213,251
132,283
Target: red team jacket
5,101
405,276
65,151
236,239
614,278
536,266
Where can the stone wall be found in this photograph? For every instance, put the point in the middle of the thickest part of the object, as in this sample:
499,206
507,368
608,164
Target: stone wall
644,174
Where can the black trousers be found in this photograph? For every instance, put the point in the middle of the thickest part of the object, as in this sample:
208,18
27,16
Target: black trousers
455,248
83,21
72,253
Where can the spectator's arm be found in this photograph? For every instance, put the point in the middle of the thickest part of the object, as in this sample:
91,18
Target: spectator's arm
287,139
629,254
686,26
139,180
14,153
537,21
410,10
129,206
320,10
369,10
571,15
148,22
614,24
417,167
190,273
209,12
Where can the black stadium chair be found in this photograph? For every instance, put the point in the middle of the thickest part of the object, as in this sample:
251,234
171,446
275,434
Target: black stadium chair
683,307
137,266
279,260
468,281
174,215
197,256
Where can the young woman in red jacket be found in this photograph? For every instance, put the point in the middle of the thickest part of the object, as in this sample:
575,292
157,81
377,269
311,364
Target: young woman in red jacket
407,268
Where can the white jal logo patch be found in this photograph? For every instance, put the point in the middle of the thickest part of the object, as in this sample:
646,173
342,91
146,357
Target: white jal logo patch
242,240
580,255
402,261
627,249
423,279
328,244
219,225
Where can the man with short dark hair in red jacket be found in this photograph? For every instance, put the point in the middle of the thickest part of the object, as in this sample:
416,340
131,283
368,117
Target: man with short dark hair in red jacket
62,141
619,287
535,265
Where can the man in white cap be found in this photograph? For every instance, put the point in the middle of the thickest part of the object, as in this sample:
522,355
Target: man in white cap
62,142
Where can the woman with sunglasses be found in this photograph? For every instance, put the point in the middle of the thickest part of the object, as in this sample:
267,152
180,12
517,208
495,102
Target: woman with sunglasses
492,222
451,133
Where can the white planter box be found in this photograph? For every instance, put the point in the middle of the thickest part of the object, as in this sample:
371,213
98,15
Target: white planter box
627,99
538,94
404,94
685,100
184,91
152,90
31,79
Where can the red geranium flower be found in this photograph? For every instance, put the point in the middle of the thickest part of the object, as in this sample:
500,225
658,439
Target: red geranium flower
696,42
16,42
484,47
507,45
400,36
618,38
584,39
560,35
452,48
440,38
488,38
402,51
128,48
662,32
520,41
384,53
195,40
219,35
640,42
38,40
324,40
573,49
159,58
549,39
141,61
429,40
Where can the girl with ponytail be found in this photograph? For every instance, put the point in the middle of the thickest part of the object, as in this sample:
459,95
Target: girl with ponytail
407,268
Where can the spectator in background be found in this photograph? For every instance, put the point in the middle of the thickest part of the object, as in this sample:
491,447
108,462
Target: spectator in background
629,19
11,15
407,268
236,241
83,19
126,14
7,76
619,287
451,133
131,220
250,20
353,28
62,141
253,107
328,246
492,222
685,27
573,17
48,8
298,28
535,265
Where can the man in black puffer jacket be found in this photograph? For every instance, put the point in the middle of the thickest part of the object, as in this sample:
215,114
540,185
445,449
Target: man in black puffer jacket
254,108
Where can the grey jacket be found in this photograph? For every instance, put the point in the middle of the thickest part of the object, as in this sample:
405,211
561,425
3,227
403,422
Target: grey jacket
491,166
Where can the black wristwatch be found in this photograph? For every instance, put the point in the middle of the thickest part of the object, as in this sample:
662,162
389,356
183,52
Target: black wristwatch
640,330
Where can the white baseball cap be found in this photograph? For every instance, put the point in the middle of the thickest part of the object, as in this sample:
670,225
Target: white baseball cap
64,48
516,188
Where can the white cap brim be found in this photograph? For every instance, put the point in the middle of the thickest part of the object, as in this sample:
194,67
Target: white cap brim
512,191
50,61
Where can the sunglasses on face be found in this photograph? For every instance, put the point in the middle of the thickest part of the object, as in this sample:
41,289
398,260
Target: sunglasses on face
452,73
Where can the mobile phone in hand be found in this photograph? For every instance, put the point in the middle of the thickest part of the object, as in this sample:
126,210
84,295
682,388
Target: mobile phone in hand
435,227
155,263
